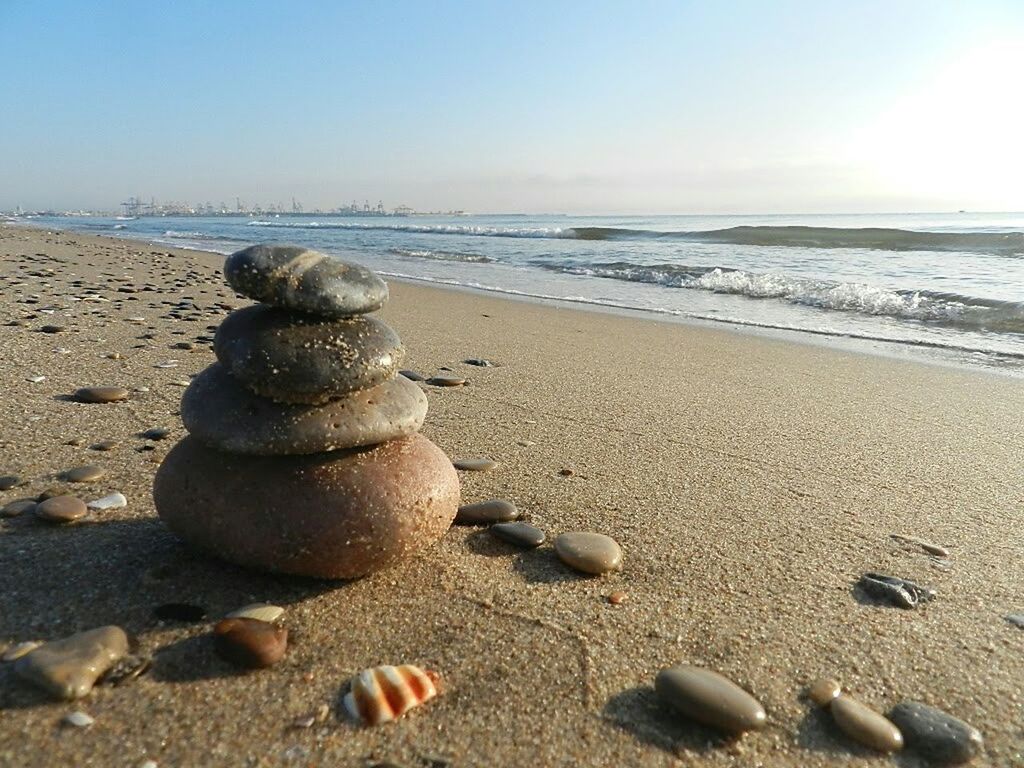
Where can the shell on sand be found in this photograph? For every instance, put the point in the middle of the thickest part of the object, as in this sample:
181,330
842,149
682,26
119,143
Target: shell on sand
382,694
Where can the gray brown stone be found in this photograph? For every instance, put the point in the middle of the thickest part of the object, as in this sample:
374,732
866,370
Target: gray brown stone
330,515
308,281
864,725
297,358
486,512
18,507
518,533
68,668
709,698
936,735
823,691
592,553
475,465
251,643
9,481
101,394
84,474
61,509
446,381
222,413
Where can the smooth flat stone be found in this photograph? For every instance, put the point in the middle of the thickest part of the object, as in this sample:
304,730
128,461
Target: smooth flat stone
78,719
84,474
250,642
936,735
68,668
9,481
823,691
332,515
518,533
223,414
258,611
710,698
101,394
592,553
446,381
308,281
111,501
156,433
411,375
18,507
486,512
864,725
61,509
475,465
297,358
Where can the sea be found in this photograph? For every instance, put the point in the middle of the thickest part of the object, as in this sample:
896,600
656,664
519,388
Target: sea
945,286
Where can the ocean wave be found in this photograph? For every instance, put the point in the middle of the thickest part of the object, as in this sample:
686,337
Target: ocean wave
174,234
958,310
427,229
466,258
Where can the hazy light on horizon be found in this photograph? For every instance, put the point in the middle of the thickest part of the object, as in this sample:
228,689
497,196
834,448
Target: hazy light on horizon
571,107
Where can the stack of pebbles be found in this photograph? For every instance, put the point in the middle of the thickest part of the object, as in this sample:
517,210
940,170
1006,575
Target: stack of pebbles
303,455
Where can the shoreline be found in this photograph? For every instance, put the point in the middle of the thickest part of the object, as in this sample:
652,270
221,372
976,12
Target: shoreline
911,350
750,482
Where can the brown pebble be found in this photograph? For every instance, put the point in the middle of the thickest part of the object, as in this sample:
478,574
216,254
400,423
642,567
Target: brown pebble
518,533
566,472
618,597
250,642
864,725
592,553
710,698
61,509
486,512
823,691
475,465
105,445
18,507
101,394
84,474
446,381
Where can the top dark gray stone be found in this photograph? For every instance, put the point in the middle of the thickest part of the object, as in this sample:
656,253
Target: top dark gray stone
292,277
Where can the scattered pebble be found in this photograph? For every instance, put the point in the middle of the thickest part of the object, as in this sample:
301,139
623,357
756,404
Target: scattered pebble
78,719
250,643
446,381
166,364
51,328
902,593
61,509
486,512
480,362
127,669
936,735
9,481
18,507
382,694
180,612
412,375
618,597
823,691
566,472
710,698
864,725
475,465
1017,619
36,379
105,445
592,553
111,501
84,474
68,668
518,533
156,433
931,549
258,611
18,650
101,394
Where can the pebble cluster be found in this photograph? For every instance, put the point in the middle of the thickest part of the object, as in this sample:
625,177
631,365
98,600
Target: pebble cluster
303,453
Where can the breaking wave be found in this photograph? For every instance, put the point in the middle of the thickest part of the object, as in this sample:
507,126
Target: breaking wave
952,309
466,258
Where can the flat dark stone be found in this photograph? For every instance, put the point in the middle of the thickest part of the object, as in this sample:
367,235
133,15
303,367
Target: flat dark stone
446,381
296,278
480,362
298,358
518,533
936,735
156,433
180,612
486,512
412,375
897,591
9,481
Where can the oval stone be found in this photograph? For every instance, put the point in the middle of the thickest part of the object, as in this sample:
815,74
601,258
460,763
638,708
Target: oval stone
486,512
446,381
250,642
710,698
518,533
864,725
84,474
823,691
592,553
936,735
341,514
293,277
475,465
68,668
259,611
61,509
297,358
222,413
101,394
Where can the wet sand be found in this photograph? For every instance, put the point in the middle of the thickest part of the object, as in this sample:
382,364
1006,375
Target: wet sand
749,481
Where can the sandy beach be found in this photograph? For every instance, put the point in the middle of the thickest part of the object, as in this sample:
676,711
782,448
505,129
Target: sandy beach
749,481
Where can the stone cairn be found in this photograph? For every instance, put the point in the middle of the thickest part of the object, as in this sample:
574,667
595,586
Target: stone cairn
304,455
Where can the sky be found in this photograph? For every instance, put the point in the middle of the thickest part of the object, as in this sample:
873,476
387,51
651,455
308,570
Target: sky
531,107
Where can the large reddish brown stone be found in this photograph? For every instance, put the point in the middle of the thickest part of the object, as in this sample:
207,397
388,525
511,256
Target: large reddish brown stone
341,514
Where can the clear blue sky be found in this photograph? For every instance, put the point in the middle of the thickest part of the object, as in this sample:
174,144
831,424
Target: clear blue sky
527,106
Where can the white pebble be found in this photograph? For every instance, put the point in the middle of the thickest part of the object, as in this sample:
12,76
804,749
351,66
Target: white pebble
78,719
36,379
148,764
113,501
258,611
167,364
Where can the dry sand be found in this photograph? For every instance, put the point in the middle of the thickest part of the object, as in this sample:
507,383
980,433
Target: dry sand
749,481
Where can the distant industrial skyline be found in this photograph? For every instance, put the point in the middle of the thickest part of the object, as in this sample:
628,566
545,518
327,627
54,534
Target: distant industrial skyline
658,107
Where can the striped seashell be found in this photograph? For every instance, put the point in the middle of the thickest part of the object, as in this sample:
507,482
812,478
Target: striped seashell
382,694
